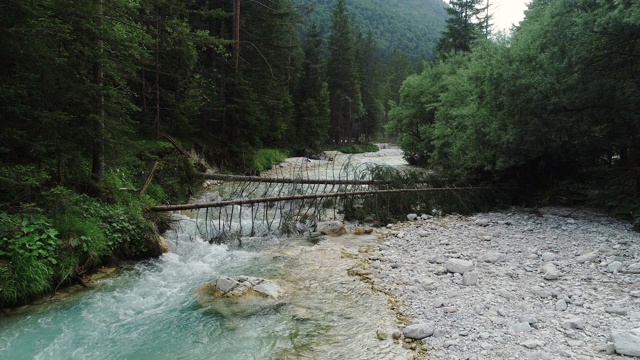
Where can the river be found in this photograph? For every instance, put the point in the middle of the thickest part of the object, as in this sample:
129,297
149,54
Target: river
150,310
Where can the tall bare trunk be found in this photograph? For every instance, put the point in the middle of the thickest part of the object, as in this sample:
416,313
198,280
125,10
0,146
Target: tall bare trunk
97,168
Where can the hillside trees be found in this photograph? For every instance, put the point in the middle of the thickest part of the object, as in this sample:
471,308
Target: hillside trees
557,101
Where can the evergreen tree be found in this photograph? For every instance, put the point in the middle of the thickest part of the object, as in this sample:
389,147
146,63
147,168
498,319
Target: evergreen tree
370,73
344,90
464,25
312,109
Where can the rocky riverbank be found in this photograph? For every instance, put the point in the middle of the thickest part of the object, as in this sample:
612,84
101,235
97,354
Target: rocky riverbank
555,284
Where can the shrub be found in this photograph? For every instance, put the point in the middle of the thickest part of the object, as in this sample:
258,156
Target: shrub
264,159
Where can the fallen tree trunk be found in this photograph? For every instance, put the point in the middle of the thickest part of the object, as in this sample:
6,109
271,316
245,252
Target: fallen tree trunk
307,181
161,208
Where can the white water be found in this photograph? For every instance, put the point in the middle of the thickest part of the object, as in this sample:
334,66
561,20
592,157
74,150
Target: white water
150,311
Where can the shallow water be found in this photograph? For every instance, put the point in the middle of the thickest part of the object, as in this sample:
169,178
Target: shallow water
151,311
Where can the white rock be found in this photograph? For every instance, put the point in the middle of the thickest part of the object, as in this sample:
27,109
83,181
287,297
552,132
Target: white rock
530,319
550,272
573,323
522,327
332,228
532,344
614,267
561,305
633,268
469,278
548,256
412,217
458,265
539,355
268,288
492,257
616,310
482,222
592,256
226,284
419,331
626,342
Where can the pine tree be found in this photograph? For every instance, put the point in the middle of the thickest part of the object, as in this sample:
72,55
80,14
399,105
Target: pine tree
464,25
312,101
344,91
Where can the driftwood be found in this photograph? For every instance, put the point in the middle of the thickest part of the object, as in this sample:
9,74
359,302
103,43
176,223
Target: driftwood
257,179
161,208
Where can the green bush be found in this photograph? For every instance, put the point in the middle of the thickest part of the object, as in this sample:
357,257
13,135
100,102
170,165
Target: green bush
27,256
264,159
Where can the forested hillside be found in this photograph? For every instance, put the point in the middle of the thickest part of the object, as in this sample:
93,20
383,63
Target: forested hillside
411,26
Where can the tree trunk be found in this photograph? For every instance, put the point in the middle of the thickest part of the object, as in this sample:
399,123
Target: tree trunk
236,34
97,168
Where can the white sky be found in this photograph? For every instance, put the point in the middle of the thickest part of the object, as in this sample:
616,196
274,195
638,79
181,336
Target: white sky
508,12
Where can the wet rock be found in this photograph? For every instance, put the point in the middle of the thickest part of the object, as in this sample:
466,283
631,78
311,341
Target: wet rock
331,228
419,331
241,286
626,342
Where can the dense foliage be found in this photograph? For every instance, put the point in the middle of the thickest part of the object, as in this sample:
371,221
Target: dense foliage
110,107
554,107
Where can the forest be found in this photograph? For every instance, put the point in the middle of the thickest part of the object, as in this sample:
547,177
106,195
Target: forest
108,108
551,111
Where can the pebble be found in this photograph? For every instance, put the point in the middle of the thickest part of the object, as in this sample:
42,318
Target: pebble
585,287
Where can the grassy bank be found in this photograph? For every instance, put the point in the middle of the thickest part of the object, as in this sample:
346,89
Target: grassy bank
54,232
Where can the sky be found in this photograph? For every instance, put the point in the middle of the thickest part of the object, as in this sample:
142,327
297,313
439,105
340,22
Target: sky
508,12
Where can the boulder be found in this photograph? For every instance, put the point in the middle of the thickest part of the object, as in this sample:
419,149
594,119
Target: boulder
242,286
458,266
626,342
331,228
419,331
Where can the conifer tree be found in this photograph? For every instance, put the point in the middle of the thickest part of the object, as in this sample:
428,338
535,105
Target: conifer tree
312,110
344,91
464,25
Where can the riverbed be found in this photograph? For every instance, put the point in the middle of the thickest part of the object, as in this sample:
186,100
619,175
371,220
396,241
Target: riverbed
150,309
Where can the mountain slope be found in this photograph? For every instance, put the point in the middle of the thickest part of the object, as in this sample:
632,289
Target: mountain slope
411,26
